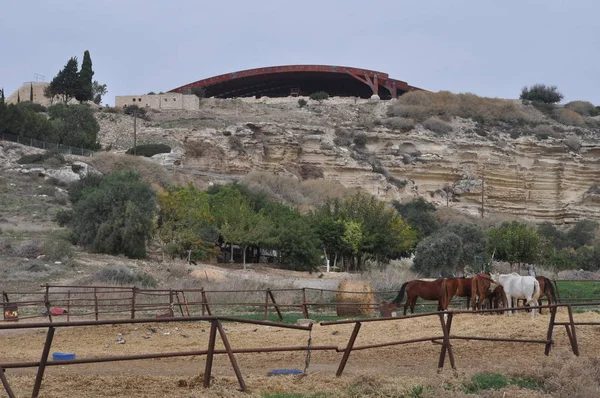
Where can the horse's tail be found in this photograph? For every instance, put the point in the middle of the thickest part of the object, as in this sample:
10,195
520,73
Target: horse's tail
400,295
474,291
550,291
445,299
536,291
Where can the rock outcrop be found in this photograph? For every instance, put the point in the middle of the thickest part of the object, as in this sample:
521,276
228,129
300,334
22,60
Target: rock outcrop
546,178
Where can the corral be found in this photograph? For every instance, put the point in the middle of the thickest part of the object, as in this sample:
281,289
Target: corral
384,368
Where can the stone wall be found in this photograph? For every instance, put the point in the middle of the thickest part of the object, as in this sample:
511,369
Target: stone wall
38,94
170,101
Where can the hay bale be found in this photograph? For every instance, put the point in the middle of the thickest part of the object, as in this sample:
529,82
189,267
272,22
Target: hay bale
349,293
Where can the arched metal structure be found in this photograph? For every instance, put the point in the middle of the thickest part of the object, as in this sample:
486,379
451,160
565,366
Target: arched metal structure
282,81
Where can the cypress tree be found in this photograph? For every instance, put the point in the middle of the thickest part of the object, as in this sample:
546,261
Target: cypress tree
85,90
18,97
30,92
2,97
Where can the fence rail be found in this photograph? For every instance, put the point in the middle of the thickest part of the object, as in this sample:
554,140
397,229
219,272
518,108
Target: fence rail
64,149
444,339
103,302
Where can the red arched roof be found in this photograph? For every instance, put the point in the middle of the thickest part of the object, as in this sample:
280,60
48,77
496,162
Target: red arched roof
283,80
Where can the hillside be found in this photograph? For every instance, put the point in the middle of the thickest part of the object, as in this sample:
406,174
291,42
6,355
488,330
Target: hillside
533,165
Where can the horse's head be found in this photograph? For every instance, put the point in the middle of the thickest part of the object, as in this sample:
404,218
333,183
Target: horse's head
495,277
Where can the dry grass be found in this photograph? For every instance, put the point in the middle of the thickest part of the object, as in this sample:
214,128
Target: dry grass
437,125
584,108
307,194
149,171
421,105
568,117
354,292
399,123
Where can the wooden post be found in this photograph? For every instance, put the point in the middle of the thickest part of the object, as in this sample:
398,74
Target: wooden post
205,303
47,302
9,391
232,359
171,303
304,306
133,291
550,330
446,346
571,331
266,314
348,349
276,306
68,305
187,307
211,352
96,302
179,302
43,362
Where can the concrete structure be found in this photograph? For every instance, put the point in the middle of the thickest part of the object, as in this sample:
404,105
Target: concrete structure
38,94
167,101
283,81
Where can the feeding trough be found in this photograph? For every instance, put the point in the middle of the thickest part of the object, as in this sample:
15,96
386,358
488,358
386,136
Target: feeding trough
62,356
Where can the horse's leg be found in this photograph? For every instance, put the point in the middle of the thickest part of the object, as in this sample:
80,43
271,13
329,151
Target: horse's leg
413,302
509,304
530,301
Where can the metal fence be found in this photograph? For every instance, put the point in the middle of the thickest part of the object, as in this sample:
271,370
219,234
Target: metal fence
64,149
444,339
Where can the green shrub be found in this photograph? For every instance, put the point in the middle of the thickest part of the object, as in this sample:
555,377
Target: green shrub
41,157
438,126
543,131
302,102
134,109
584,108
541,93
112,214
75,125
58,250
319,96
149,150
121,275
33,106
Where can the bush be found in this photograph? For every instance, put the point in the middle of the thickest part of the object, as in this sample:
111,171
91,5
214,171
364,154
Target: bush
573,143
399,123
121,275
75,125
302,102
584,108
58,250
131,109
568,117
543,131
41,157
541,93
421,105
438,126
29,248
32,106
310,171
319,96
360,140
112,214
149,150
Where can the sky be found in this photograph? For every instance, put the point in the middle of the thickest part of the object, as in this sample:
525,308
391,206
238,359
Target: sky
490,48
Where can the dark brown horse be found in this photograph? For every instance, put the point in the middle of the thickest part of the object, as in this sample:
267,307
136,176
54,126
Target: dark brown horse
497,298
460,287
546,290
480,287
418,288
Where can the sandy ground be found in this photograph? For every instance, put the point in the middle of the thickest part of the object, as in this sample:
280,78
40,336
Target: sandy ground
401,366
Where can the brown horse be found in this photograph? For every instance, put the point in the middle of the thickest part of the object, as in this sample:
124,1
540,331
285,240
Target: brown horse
480,287
418,288
460,287
497,298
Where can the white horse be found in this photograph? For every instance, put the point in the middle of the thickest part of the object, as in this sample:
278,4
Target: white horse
519,287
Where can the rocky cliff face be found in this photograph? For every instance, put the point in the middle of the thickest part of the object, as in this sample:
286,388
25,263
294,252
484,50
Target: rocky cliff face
537,177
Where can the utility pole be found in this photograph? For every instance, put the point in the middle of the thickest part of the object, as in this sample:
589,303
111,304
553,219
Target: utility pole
134,131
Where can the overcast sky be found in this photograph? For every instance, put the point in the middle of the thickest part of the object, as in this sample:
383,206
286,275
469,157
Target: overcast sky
490,48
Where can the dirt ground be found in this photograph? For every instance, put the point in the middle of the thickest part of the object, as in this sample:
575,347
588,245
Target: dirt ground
394,369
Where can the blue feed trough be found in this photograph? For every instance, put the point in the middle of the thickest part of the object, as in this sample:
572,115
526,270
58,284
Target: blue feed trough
62,356
283,372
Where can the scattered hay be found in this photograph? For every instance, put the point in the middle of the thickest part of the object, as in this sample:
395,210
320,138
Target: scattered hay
207,274
353,292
